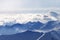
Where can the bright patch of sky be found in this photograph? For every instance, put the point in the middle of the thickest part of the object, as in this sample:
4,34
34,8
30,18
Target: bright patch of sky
15,5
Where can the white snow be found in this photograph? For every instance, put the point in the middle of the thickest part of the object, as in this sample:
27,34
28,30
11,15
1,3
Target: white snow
24,18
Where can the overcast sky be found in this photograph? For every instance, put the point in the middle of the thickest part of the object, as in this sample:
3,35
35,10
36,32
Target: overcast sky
15,5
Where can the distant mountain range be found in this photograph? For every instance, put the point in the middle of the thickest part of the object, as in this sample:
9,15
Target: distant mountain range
33,29
30,26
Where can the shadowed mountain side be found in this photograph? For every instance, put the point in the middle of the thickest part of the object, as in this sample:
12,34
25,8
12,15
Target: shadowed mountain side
34,25
53,35
30,26
49,25
28,35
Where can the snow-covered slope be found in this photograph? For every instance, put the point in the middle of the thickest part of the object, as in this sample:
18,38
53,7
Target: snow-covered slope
24,18
29,21
39,22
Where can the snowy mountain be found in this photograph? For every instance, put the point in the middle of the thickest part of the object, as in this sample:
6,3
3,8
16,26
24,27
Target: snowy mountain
47,24
24,18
